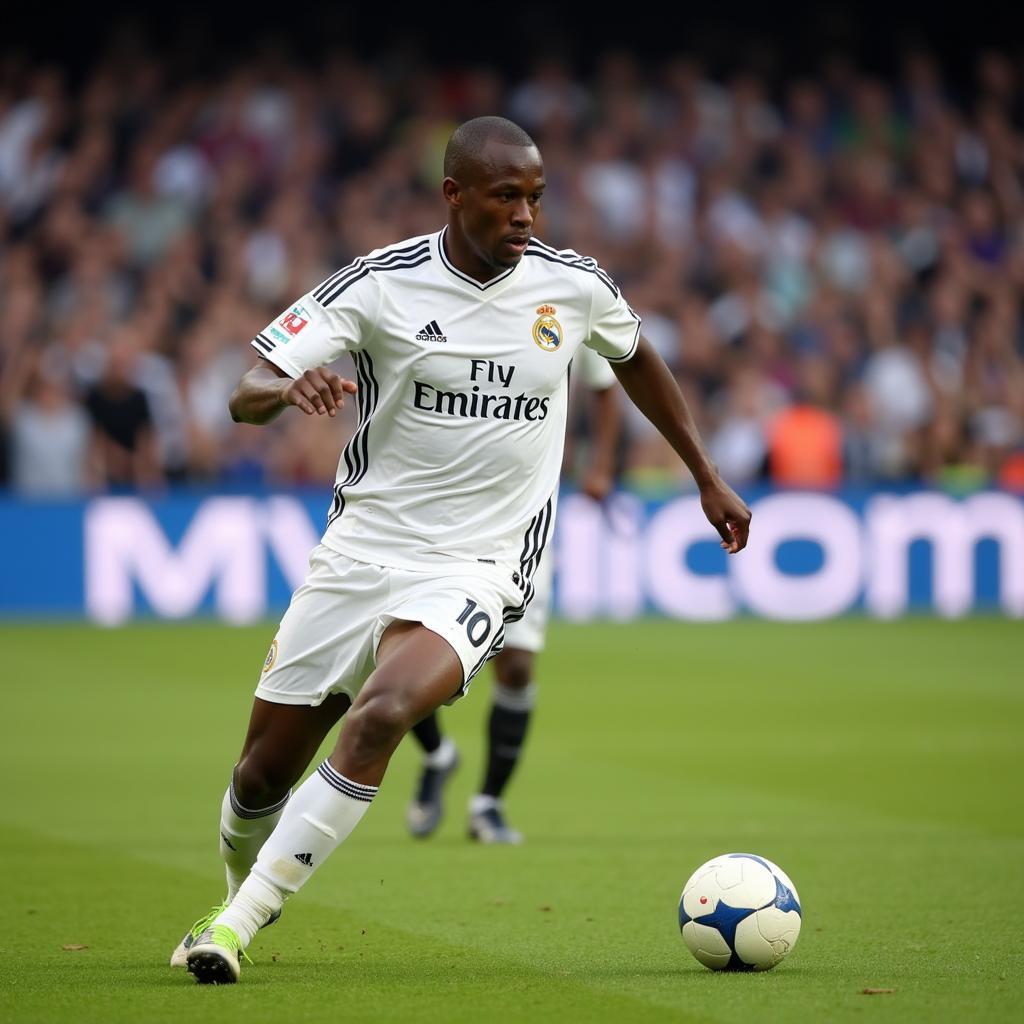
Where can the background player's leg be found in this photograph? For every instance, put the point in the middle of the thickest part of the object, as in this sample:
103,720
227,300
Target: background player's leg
416,672
509,721
441,758
513,699
428,733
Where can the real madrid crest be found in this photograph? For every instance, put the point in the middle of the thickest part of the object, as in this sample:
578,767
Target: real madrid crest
271,656
547,331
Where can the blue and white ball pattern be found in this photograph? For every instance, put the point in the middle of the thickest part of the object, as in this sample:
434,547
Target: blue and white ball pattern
739,912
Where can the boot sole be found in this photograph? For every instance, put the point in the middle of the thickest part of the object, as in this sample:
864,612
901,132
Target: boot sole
211,967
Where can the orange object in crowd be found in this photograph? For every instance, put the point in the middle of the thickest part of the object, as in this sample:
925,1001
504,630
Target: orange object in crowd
1011,474
805,448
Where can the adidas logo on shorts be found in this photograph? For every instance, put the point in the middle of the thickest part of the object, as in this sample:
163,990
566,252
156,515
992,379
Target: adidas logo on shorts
431,333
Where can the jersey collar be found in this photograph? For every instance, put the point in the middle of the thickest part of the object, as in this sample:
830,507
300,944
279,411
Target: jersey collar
449,270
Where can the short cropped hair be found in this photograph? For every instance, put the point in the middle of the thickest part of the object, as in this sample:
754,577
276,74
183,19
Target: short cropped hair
470,139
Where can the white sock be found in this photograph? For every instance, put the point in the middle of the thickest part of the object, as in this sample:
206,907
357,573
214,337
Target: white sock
242,833
443,756
320,815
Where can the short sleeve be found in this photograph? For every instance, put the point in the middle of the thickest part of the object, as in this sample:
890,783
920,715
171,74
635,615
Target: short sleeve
321,326
593,369
614,327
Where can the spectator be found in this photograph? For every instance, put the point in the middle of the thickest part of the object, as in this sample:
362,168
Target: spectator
148,221
123,423
805,440
836,253
50,440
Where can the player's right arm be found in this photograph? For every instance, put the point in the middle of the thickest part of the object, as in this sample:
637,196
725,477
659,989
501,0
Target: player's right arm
296,348
266,390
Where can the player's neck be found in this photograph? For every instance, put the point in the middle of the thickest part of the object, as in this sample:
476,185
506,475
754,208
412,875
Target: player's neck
461,256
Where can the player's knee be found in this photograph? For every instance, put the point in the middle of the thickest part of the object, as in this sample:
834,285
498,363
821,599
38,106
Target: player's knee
260,782
380,722
514,668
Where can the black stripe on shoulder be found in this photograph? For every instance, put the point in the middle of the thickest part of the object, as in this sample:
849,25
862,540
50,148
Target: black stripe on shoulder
406,252
567,255
413,259
584,263
576,260
386,254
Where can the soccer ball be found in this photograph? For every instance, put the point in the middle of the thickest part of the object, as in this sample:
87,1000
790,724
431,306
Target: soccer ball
739,912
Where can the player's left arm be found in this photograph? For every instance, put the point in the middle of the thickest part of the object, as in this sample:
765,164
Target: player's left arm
652,388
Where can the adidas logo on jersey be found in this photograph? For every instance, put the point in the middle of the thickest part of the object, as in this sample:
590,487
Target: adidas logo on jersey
305,858
431,333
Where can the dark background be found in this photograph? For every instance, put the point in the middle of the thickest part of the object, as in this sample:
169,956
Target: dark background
778,40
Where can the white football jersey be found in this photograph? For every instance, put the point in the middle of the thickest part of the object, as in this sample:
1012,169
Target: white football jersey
462,397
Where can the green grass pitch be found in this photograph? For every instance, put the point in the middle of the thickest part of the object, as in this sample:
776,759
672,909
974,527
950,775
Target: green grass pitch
880,764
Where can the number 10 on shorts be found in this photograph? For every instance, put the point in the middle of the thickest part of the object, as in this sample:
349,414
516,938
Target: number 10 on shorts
477,626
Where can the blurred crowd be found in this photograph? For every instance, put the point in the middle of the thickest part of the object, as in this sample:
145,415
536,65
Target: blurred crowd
833,266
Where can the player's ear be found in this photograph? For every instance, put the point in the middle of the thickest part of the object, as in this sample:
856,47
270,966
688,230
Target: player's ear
452,192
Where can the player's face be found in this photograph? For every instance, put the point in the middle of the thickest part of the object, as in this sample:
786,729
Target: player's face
496,208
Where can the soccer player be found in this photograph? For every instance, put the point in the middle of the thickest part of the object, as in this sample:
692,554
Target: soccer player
444,502
514,691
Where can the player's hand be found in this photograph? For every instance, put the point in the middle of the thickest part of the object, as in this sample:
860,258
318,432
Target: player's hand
597,484
318,391
728,514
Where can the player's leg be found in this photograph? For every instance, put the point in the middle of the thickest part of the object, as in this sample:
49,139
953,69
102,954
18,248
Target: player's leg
325,639
440,759
417,670
507,725
279,744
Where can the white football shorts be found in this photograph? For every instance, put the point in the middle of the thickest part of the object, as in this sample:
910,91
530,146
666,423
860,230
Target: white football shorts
528,633
328,637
